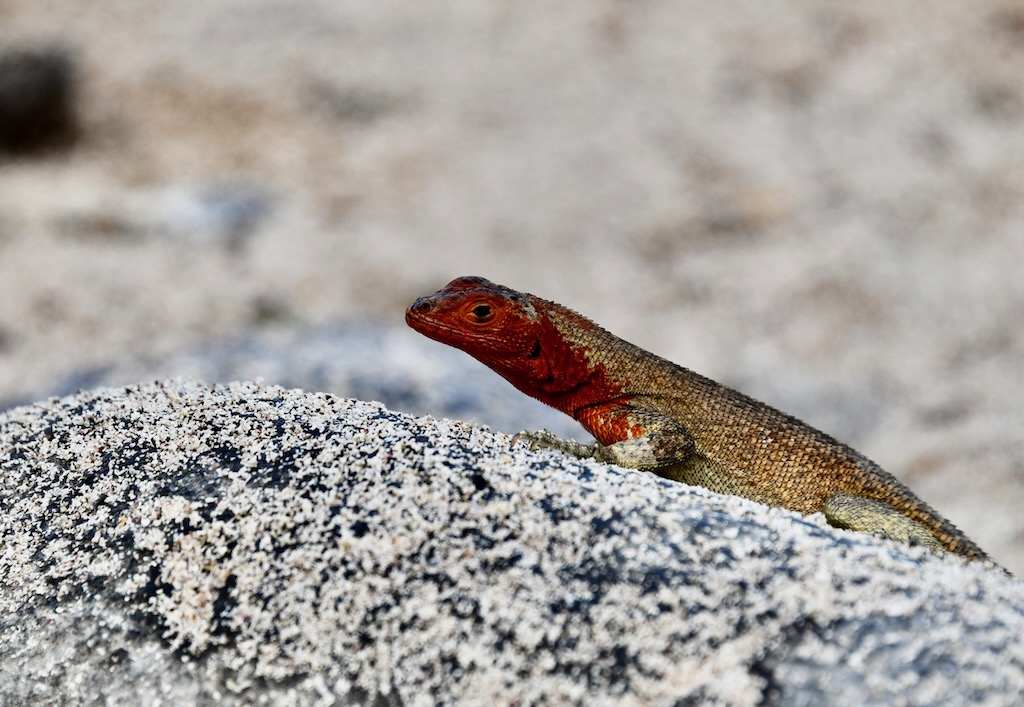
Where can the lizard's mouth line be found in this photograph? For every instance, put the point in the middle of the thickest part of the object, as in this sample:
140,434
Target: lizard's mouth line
432,328
444,333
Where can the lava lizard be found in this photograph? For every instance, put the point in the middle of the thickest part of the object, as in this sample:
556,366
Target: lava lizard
650,414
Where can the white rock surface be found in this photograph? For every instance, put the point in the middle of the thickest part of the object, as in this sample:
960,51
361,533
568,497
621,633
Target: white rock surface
180,543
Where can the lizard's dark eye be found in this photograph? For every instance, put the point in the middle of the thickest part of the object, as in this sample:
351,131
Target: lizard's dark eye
482,312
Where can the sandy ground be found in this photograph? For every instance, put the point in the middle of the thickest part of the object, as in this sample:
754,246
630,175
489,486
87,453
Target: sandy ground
822,205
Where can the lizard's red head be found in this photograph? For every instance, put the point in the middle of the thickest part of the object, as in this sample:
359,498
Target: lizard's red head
496,325
538,346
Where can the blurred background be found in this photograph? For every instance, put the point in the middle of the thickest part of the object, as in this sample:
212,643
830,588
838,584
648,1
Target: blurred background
821,204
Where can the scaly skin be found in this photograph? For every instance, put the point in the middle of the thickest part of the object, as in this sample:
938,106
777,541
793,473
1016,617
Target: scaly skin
648,413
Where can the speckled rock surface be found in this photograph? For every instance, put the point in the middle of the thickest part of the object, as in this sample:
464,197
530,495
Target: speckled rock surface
182,543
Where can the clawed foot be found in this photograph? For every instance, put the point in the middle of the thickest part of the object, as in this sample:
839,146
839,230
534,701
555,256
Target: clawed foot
543,439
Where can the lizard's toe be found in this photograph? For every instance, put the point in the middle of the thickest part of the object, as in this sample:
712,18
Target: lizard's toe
543,439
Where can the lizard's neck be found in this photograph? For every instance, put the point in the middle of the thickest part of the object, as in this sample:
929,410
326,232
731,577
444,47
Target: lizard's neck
577,365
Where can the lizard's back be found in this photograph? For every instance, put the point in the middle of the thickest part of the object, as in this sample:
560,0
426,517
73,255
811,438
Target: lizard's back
747,448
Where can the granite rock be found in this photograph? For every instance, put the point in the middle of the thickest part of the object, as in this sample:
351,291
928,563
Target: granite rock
177,542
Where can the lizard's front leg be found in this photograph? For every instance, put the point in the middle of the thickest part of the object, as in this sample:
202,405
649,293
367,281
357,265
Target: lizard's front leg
866,515
644,440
